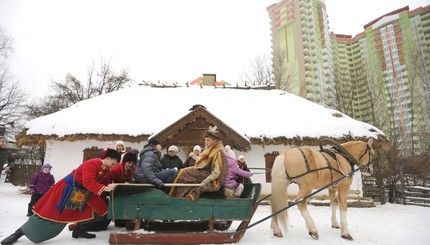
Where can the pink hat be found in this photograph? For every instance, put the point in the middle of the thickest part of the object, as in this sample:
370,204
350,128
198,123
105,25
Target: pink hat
229,152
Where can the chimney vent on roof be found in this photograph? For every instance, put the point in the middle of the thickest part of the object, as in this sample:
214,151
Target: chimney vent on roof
209,79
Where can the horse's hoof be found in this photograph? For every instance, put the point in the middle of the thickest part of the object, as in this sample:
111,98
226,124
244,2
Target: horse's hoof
347,237
335,226
278,234
314,235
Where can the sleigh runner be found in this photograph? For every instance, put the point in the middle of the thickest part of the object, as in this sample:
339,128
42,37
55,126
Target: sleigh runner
179,220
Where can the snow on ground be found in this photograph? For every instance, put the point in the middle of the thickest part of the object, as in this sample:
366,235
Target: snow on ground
384,224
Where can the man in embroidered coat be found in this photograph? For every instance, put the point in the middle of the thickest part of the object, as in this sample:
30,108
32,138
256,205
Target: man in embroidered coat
210,169
51,211
120,173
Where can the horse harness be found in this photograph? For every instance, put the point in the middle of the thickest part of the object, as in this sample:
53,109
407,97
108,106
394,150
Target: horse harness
329,152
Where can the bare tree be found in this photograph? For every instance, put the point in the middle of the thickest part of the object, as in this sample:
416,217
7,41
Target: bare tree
266,71
47,105
344,95
11,94
72,90
260,72
285,74
419,84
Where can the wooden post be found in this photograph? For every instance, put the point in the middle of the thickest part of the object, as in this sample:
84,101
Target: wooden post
269,160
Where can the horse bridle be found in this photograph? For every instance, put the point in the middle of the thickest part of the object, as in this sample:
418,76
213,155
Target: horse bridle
365,167
352,162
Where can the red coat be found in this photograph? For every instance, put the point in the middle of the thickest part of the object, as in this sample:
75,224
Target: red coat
117,174
89,174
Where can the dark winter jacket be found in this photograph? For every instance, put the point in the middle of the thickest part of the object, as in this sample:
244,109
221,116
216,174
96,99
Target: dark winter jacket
148,165
41,182
6,156
171,162
241,179
191,160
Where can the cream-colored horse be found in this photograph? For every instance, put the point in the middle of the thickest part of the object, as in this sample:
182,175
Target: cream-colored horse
312,170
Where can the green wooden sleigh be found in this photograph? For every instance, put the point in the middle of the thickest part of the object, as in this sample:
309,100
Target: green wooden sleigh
179,220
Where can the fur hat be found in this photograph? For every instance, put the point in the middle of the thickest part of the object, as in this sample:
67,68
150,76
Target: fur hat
173,148
241,157
152,142
229,152
46,165
197,148
112,154
129,157
212,133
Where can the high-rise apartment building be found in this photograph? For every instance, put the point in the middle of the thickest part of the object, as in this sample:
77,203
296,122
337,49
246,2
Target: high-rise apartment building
399,58
380,76
301,49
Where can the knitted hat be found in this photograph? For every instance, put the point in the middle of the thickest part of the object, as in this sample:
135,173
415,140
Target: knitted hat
212,133
197,148
135,151
152,142
46,165
129,157
173,148
120,142
241,157
3,138
229,152
109,145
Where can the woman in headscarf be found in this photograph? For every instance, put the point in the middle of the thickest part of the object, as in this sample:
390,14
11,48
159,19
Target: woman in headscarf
209,170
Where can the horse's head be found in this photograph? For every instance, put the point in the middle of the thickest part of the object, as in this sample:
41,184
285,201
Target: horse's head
363,155
365,158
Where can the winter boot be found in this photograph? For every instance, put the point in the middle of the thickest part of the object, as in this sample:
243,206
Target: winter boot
12,238
81,233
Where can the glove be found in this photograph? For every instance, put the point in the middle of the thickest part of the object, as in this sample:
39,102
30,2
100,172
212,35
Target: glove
160,184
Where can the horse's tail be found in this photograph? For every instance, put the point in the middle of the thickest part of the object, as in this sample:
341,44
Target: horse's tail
279,198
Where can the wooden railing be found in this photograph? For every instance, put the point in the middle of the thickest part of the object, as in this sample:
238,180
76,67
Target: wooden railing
417,195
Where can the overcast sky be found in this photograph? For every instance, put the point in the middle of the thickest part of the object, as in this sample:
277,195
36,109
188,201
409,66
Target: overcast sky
169,40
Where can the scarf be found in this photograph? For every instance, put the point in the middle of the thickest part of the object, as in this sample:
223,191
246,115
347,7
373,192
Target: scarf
208,154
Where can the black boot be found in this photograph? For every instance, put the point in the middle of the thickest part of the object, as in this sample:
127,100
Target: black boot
12,238
80,233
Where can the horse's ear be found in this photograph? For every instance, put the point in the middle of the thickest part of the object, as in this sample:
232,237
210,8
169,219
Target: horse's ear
369,142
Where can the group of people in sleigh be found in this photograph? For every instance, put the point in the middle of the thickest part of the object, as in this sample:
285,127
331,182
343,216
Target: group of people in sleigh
80,198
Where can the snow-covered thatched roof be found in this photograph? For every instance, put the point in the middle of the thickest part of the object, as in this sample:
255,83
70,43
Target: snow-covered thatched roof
141,111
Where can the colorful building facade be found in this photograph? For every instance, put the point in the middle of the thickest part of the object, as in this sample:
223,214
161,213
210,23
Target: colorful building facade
380,76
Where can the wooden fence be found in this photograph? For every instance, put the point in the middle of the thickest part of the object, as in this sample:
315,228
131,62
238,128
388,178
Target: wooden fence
25,167
408,195
416,195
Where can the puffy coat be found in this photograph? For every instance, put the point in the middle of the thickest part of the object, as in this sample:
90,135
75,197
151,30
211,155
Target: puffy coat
171,162
233,172
148,165
41,182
